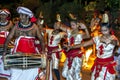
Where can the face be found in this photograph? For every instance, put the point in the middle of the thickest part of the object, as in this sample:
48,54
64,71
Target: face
56,26
73,25
96,22
39,24
24,18
3,16
105,30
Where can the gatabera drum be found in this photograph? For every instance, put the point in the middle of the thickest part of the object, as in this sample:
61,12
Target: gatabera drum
24,61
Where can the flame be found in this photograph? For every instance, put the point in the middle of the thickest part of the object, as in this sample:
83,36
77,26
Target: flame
88,52
63,57
86,57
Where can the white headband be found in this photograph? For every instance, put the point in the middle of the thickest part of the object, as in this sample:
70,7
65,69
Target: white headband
4,11
25,10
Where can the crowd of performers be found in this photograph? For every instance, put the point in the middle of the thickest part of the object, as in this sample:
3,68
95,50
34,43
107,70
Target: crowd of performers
32,36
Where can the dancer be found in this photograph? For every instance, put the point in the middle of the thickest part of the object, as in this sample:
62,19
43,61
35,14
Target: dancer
5,26
54,38
73,63
103,68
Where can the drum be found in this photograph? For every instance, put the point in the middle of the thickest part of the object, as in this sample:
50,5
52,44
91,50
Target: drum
24,61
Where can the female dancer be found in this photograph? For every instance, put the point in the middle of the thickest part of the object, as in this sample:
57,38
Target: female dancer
103,68
72,66
54,37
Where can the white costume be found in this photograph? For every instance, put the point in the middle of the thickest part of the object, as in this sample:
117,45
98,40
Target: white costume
73,63
105,18
104,63
53,43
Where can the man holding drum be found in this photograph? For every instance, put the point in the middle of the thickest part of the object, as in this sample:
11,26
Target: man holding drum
5,26
24,32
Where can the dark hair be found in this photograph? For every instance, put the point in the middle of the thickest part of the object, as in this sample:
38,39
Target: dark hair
109,27
75,21
105,25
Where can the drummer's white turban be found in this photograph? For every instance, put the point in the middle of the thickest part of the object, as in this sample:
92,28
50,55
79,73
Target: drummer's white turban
4,11
25,10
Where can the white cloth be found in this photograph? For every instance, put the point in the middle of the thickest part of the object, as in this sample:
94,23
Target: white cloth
107,52
77,39
109,76
107,49
74,72
56,38
24,74
4,11
25,10
105,18
4,72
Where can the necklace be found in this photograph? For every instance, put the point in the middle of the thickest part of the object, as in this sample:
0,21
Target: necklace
4,23
25,27
54,32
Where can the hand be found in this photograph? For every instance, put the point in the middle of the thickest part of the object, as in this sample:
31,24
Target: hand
108,41
81,26
68,48
49,57
42,52
4,53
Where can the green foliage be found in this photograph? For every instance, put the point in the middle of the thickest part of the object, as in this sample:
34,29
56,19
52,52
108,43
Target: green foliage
50,8
73,8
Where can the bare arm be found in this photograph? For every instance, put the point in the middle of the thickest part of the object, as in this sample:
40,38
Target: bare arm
10,36
84,44
41,39
62,26
84,27
86,34
10,25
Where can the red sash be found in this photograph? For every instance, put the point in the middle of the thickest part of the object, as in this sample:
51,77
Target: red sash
2,37
72,54
99,63
50,49
26,45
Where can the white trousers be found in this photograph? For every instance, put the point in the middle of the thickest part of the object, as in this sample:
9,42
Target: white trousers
3,72
109,76
24,74
74,72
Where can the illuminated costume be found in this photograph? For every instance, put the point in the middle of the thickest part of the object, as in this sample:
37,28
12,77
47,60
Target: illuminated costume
53,43
105,18
25,45
73,63
103,68
4,31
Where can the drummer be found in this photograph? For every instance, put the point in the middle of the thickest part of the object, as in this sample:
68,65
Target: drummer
25,32
5,26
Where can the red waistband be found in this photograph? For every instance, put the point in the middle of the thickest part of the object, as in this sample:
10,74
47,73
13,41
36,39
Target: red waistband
50,48
105,59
